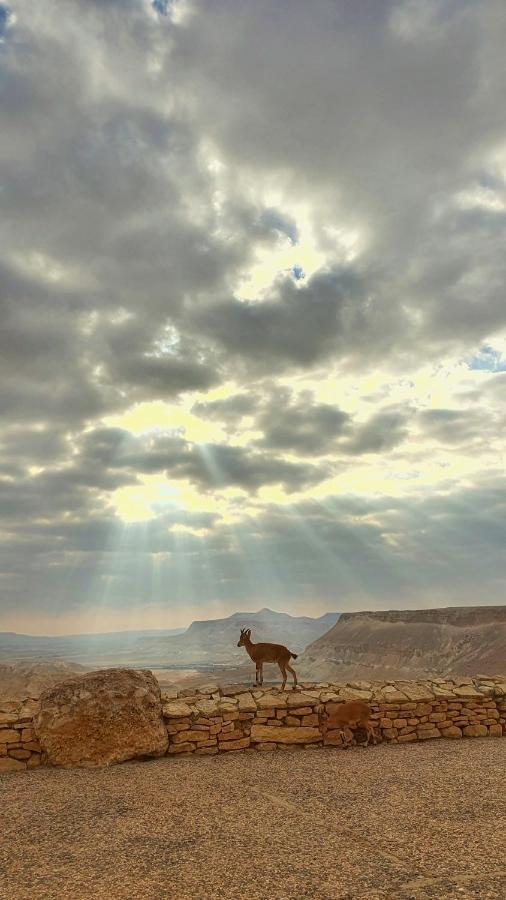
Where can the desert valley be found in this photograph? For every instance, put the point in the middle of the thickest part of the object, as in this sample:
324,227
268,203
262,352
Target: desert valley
392,644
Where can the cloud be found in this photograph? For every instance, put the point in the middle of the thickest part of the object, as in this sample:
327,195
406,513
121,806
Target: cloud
168,173
300,426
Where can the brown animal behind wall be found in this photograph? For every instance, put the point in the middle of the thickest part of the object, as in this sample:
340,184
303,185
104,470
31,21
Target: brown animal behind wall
346,715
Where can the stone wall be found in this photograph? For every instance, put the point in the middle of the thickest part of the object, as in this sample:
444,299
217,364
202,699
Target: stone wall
216,719
19,747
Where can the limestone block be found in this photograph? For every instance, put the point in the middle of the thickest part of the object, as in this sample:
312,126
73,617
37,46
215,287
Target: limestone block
353,693
495,730
183,737
310,720
281,734
20,754
176,709
102,717
241,744
9,736
272,701
292,720
333,739
230,736
466,690
452,732
475,730
207,707
389,733
246,702
181,748
299,699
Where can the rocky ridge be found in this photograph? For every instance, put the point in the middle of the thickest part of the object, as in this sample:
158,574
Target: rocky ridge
420,643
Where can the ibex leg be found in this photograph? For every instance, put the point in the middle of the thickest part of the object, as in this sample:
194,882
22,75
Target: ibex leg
283,672
294,673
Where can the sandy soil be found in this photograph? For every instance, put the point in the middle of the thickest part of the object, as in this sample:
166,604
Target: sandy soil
417,821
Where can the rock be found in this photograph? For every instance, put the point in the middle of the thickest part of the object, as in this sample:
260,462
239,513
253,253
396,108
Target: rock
273,701
9,736
18,753
183,737
240,744
267,746
169,694
247,703
210,688
475,730
101,718
452,732
176,709
352,693
333,739
495,730
467,691
281,734
207,707
11,765
416,690
181,748
300,699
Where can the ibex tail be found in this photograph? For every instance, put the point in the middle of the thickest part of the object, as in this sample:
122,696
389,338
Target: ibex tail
294,655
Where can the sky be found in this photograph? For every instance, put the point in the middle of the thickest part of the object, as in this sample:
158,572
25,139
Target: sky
252,308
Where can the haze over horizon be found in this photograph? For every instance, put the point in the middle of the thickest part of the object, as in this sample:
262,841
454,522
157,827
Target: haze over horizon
252,310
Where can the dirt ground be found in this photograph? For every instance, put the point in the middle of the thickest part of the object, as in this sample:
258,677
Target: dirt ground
425,820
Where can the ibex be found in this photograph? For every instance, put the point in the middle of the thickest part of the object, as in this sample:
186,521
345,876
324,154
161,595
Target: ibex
348,715
262,653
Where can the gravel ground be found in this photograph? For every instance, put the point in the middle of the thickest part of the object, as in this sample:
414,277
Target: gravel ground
419,821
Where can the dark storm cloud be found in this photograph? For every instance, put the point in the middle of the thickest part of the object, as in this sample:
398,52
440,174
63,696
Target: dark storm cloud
231,410
380,433
219,466
453,426
299,326
300,426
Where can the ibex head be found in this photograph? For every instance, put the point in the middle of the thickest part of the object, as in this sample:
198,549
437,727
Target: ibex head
245,636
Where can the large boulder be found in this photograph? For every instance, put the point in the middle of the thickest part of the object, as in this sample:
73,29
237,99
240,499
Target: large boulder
101,718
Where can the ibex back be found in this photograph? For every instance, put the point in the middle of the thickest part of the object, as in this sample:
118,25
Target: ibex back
262,653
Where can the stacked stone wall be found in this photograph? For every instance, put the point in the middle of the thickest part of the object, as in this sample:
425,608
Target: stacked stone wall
231,718
225,719
19,747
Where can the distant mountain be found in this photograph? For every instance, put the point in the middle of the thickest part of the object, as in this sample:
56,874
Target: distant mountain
409,644
207,642
214,641
73,646
22,680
